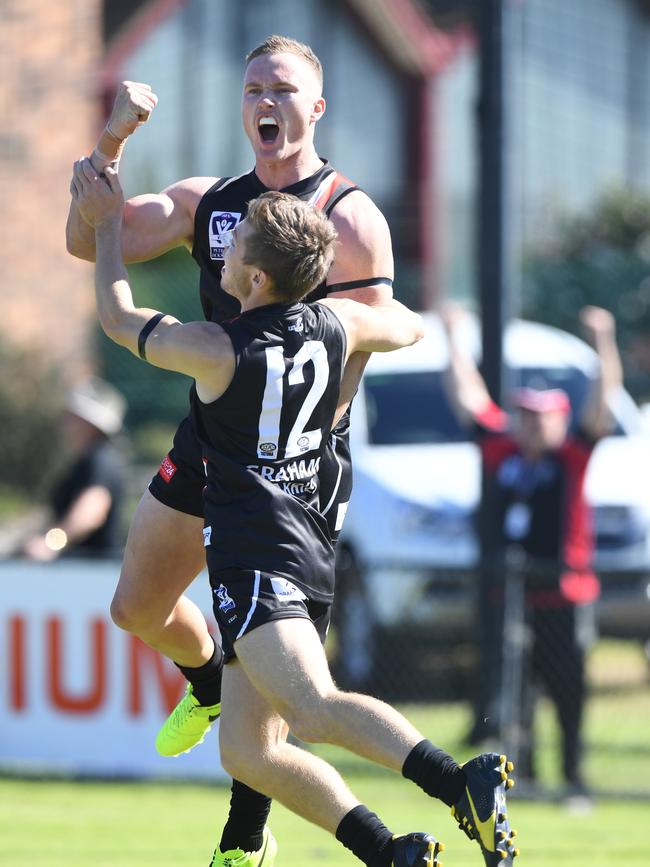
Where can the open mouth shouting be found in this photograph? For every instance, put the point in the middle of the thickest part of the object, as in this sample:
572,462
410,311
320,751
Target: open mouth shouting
268,129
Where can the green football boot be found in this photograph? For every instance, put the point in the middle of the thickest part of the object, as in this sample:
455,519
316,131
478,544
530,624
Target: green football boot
264,857
186,726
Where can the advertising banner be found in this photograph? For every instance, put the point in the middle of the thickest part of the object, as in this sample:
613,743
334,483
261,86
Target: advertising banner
77,694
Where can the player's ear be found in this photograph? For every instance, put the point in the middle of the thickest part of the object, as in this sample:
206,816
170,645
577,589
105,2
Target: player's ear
318,110
261,280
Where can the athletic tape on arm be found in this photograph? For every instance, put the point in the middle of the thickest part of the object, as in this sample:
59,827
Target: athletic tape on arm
358,284
146,331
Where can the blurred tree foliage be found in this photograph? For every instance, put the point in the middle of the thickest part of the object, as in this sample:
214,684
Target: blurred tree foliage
154,396
31,399
602,258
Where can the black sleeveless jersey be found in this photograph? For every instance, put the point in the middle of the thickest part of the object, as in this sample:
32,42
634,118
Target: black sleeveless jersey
263,440
225,204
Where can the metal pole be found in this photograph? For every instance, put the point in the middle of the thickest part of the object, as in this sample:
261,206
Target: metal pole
491,234
502,595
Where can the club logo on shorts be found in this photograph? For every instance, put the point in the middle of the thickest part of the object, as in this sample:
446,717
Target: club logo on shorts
226,603
221,223
207,535
167,469
286,591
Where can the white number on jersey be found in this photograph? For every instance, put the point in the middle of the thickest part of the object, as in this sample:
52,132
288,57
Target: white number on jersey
299,440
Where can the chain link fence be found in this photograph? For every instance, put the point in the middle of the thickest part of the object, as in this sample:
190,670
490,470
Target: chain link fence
563,691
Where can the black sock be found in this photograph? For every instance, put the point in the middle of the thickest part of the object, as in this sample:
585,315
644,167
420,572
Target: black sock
206,679
435,771
244,827
364,834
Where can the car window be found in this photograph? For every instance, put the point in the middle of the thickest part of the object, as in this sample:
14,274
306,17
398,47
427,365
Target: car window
410,407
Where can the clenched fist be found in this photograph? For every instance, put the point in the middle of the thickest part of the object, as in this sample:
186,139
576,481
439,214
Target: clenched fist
597,323
133,105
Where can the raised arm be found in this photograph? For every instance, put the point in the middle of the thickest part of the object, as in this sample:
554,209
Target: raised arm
599,329
466,389
201,350
153,223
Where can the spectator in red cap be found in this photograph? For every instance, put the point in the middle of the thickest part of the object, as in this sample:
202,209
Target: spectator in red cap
537,522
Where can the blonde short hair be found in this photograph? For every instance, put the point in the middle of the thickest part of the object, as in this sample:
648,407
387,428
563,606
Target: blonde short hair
291,241
286,45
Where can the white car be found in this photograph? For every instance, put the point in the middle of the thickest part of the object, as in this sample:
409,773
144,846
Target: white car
409,547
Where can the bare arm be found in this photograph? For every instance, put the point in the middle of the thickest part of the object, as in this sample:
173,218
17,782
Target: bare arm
201,350
364,251
464,384
153,223
599,329
134,102
87,513
381,328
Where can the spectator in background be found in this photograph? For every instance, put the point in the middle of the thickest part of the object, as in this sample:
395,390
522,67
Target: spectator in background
537,527
85,501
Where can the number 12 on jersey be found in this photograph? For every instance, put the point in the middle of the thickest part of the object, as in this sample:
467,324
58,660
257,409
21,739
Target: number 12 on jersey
279,401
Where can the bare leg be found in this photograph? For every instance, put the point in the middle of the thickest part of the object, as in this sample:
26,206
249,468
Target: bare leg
284,660
254,749
164,553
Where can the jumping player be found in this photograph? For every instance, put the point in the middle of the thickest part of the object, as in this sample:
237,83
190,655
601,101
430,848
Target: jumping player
264,400
281,104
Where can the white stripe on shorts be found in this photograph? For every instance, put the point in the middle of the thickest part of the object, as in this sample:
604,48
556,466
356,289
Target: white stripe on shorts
338,478
256,592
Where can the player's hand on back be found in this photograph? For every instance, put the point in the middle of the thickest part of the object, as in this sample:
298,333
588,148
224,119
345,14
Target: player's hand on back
98,197
133,105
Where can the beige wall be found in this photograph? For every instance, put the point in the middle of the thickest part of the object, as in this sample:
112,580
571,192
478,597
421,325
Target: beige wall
49,54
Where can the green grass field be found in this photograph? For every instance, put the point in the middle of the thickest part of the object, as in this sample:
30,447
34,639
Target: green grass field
51,823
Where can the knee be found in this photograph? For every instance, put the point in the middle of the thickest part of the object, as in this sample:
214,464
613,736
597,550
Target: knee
246,764
129,616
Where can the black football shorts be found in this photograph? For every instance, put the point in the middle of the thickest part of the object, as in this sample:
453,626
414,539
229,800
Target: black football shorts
243,600
335,479
180,479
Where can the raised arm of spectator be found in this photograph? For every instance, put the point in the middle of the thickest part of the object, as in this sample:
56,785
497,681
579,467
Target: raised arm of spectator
599,329
466,389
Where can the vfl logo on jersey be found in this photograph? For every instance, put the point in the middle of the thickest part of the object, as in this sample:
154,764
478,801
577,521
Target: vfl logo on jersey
221,223
207,535
226,603
286,591
266,450
298,326
303,443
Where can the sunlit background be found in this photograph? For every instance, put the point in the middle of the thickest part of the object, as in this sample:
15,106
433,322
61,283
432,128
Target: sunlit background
411,110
